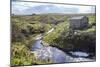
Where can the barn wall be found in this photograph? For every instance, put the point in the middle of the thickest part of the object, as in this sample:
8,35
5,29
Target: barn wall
79,23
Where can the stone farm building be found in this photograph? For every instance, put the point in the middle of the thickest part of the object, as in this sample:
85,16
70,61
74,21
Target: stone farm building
79,22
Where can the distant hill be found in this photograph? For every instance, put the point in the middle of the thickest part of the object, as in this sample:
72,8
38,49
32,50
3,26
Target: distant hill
64,14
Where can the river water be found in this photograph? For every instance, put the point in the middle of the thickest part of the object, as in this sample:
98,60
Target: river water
56,55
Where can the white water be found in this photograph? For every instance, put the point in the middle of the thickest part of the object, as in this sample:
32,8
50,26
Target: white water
80,54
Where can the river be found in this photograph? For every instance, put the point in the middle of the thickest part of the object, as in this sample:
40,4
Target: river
56,55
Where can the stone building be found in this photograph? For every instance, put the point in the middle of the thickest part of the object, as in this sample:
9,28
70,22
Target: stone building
79,22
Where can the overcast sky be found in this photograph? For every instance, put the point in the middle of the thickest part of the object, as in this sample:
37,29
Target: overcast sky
31,7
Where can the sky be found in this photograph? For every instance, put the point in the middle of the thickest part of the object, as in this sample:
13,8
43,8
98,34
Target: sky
60,0
23,8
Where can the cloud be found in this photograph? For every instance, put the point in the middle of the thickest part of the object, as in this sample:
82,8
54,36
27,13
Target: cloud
87,9
66,1
30,7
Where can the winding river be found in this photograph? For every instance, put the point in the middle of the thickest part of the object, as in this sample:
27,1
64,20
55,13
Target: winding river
56,55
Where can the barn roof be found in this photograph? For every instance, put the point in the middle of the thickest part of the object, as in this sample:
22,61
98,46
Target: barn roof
78,17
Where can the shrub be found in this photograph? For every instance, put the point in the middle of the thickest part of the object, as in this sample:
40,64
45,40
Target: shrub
21,55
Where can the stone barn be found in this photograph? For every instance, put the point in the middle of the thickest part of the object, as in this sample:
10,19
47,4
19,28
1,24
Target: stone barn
79,22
